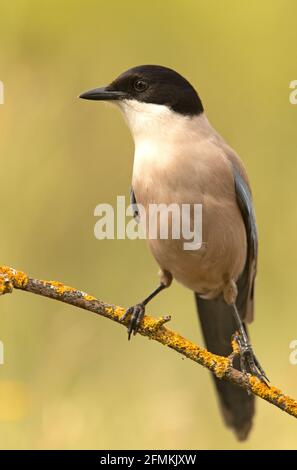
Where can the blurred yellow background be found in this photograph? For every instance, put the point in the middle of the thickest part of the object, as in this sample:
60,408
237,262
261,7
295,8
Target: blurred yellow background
71,379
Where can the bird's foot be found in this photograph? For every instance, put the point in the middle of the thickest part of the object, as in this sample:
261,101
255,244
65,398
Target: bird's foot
248,360
136,313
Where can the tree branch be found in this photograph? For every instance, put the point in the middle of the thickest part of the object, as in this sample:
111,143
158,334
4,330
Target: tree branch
154,329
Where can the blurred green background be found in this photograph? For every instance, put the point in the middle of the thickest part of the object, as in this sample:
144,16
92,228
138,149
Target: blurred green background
70,379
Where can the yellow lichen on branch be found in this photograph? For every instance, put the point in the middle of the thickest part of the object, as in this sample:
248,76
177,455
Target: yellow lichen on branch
10,278
153,328
273,395
61,289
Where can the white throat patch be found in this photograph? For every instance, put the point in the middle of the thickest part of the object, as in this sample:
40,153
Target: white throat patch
161,135
144,119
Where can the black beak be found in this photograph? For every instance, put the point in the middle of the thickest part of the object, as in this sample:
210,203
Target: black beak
103,94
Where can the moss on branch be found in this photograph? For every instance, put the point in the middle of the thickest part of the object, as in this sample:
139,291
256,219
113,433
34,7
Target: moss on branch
153,328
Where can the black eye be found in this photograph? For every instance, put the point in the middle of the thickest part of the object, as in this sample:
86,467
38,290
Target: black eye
140,85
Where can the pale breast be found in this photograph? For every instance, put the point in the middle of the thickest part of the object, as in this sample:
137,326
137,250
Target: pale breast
182,160
199,174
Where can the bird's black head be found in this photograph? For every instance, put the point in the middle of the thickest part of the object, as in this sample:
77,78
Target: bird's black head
151,84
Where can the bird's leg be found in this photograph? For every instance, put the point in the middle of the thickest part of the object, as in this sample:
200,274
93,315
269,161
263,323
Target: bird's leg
136,312
248,359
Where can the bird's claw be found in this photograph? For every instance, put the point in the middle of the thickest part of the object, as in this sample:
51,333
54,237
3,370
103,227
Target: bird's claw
248,360
136,313
248,357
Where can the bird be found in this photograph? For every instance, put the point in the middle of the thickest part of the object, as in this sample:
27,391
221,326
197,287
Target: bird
180,158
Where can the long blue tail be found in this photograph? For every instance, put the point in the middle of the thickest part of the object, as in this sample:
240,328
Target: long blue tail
218,326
